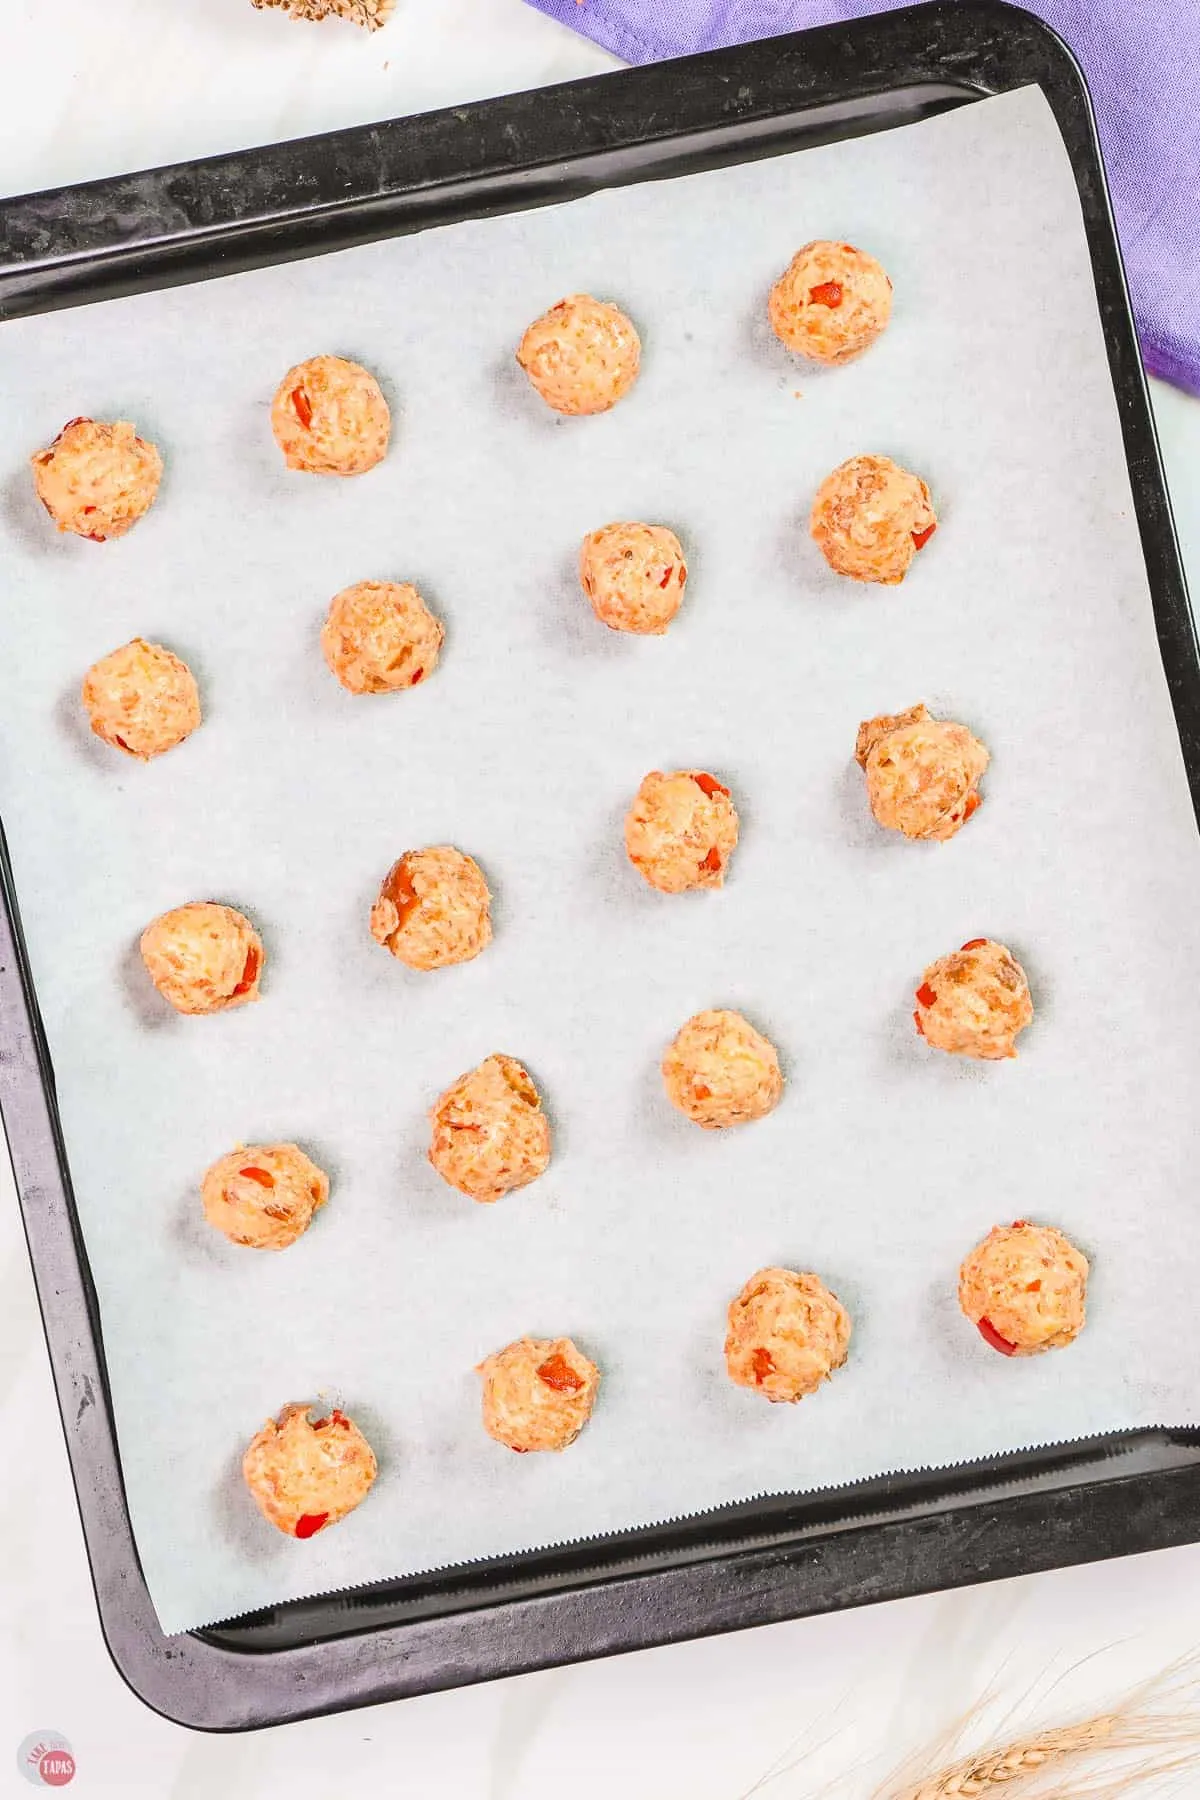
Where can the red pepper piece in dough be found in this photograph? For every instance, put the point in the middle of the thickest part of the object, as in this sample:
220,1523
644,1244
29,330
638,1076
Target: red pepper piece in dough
990,1335
302,407
309,1524
558,1374
708,786
826,293
926,995
249,973
921,538
399,889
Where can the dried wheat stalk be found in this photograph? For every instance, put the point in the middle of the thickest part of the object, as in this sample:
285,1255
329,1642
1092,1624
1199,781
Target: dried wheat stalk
370,14
1076,1762
976,1775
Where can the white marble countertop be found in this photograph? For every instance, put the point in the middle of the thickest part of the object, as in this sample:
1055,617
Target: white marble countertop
103,89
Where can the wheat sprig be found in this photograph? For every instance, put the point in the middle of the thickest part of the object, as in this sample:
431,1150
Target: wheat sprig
1048,1762
975,1775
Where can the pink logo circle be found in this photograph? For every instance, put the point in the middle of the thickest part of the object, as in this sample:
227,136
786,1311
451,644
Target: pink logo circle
56,1768
45,1759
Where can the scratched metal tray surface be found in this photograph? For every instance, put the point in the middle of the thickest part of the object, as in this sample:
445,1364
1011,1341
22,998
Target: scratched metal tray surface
740,1566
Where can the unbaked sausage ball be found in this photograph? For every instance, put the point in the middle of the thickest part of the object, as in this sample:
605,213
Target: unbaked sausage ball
1025,1289
681,831
831,302
582,355
264,1195
538,1393
719,1071
870,517
433,908
329,417
634,576
370,14
787,1334
380,636
96,479
305,1474
203,957
974,1002
141,699
490,1134
922,773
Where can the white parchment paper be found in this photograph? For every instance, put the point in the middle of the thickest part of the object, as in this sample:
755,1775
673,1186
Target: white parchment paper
1028,617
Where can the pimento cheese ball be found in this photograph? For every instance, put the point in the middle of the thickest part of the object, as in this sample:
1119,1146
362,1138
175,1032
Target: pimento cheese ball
787,1334
305,1474
1024,1288
141,699
329,417
831,302
370,14
538,1393
380,637
263,1196
490,1134
870,517
582,356
433,908
681,830
203,957
718,1071
922,773
634,576
974,1002
97,479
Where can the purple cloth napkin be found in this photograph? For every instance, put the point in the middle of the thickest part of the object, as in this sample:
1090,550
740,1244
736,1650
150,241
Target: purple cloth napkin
1142,62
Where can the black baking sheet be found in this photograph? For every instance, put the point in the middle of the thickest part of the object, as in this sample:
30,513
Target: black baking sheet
707,1574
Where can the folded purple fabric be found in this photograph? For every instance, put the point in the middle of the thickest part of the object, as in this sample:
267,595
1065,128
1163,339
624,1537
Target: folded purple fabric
1142,61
